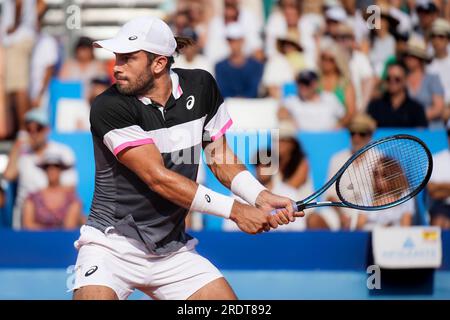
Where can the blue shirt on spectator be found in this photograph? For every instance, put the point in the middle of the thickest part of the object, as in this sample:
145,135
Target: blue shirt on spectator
239,81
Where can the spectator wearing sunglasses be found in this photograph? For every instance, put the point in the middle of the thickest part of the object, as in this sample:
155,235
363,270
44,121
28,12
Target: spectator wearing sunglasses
361,130
440,66
312,110
26,152
55,206
426,88
396,108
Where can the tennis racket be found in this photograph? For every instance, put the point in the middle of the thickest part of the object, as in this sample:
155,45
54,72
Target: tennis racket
381,175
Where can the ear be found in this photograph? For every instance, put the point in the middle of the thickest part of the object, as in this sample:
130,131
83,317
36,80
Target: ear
159,64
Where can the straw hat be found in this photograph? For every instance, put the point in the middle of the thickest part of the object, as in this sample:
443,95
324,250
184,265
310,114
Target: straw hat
440,27
416,47
362,122
289,38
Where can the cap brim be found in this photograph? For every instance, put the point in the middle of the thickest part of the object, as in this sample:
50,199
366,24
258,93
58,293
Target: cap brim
115,45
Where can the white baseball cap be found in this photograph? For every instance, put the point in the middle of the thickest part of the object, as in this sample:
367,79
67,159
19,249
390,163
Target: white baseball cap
336,13
143,33
234,31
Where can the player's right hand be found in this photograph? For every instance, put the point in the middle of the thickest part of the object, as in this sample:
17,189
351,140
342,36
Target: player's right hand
252,220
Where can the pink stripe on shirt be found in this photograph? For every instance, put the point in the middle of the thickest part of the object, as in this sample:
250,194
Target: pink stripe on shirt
135,143
222,131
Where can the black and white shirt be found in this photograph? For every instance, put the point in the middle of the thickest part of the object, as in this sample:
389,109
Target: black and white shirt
194,113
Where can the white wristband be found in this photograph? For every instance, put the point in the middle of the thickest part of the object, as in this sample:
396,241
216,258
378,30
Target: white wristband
208,201
245,185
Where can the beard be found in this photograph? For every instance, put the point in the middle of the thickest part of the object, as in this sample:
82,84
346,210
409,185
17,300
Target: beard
143,83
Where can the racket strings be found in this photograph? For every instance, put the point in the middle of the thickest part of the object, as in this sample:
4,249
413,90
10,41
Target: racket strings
385,173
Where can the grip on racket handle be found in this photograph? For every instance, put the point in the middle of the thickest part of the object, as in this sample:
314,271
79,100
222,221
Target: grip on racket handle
294,205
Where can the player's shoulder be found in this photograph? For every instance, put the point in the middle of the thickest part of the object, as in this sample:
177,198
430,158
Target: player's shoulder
112,99
194,76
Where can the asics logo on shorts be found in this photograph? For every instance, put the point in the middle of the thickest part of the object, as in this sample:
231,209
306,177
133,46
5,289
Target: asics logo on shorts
91,271
190,102
208,198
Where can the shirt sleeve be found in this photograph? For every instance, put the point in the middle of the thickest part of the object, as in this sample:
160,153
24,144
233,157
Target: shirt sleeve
218,121
116,123
435,85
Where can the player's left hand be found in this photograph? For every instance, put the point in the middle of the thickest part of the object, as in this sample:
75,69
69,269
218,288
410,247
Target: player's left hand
268,202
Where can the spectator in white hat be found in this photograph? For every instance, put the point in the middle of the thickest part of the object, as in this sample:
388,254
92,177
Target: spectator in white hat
238,75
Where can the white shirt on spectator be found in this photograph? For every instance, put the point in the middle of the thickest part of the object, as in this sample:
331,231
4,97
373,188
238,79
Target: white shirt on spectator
319,115
28,22
389,217
441,67
360,70
45,54
199,62
382,49
217,49
277,71
32,178
308,25
441,169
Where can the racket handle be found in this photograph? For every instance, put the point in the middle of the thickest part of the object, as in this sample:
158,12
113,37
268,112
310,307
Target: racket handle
294,205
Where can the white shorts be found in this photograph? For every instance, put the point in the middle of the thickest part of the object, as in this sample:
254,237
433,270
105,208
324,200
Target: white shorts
124,264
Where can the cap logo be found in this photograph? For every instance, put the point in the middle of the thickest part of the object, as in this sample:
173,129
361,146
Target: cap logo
132,38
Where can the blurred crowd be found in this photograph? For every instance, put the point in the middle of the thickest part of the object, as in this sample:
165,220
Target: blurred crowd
329,64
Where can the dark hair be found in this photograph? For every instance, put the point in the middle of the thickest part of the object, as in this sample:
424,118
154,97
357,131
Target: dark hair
297,157
182,42
84,42
399,64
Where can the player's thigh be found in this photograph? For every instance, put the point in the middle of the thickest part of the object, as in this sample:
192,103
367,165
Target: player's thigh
218,289
93,292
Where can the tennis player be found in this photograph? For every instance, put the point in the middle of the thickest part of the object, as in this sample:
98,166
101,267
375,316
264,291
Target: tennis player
148,130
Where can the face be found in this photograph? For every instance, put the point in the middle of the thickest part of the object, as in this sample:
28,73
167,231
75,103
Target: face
327,63
285,149
291,15
37,134
380,179
84,54
135,74
439,42
412,63
307,90
426,19
53,173
345,40
236,45
230,14
396,80
360,138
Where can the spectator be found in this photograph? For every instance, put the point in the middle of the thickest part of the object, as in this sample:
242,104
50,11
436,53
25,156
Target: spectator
312,110
238,75
55,206
386,178
401,46
361,71
335,77
83,67
43,66
17,33
428,12
25,153
217,48
281,68
439,187
191,57
288,21
361,130
424,87
440,35
383,43
396,108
